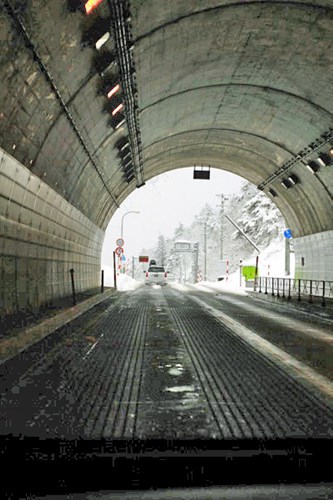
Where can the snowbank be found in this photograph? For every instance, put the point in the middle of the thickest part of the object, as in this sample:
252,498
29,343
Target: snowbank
124,282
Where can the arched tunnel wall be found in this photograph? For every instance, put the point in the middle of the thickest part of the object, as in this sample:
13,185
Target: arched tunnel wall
42,238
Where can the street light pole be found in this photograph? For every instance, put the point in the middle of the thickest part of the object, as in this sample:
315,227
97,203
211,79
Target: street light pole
122,227
122,221
223,199
205,251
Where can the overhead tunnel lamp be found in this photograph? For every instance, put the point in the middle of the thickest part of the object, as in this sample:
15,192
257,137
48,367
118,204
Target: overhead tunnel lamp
113,90
312,167
91,5
98,34
272,193
325,159
116,110
293,179
102,40
117,121
286,183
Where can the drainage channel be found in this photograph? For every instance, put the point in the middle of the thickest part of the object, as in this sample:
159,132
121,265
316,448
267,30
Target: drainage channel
248,394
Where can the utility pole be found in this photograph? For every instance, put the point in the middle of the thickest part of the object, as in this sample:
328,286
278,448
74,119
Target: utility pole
223,199
205,251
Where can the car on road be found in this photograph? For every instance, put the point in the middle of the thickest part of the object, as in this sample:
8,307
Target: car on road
156,275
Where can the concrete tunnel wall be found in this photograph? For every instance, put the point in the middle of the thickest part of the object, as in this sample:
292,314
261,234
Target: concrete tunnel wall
42,238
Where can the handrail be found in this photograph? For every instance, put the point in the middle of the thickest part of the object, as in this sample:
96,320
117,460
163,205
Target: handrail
293,287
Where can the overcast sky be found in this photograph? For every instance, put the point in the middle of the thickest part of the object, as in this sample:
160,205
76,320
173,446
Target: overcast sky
164,202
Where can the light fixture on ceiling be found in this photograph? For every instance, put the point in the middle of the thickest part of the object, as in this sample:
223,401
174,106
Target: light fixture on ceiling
286,183
91,5
113,90
325,159
97,34
119,124
117,110
272,193
127,155
117,121
293,179
321,162
102,40
312,167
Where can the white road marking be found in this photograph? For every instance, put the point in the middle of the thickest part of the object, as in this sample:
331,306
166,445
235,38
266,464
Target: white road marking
277,355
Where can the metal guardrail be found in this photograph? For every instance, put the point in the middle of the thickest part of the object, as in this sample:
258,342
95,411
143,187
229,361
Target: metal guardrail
289,288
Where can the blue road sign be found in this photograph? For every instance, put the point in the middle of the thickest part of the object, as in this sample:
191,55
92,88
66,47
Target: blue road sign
123,257
287,234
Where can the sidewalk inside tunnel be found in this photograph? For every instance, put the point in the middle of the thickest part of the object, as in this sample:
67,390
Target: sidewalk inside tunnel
154,363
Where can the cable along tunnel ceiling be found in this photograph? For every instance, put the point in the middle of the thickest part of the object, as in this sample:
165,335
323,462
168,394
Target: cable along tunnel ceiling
242,86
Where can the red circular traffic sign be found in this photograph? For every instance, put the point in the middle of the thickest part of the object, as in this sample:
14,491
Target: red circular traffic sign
119,250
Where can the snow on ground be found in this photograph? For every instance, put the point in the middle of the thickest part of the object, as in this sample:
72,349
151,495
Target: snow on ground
124,282
272,261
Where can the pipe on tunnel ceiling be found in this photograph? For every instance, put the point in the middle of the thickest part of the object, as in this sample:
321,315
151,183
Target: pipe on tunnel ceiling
118,9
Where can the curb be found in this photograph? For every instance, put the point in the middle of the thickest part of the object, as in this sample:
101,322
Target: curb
12,346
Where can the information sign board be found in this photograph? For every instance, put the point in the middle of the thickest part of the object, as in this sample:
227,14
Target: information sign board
143,258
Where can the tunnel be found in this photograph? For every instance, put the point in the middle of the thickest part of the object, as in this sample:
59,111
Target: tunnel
97,100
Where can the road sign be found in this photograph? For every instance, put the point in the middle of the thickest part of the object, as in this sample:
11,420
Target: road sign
182,246
120,242
143,258
287,234
119,250
123,258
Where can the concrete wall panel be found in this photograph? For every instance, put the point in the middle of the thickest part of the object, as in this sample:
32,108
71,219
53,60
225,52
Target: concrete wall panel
42,238
314,256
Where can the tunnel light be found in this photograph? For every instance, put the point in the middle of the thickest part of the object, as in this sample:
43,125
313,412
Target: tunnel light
125,146
91,5
114,90
272,193
312,167
321,162
293,179
117,109
102,40
286,184
117,121
325,159
126,156
120,124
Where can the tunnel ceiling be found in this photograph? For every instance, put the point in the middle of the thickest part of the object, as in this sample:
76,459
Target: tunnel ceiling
241,86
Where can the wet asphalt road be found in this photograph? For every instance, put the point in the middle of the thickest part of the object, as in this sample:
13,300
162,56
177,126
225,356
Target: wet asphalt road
153,363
